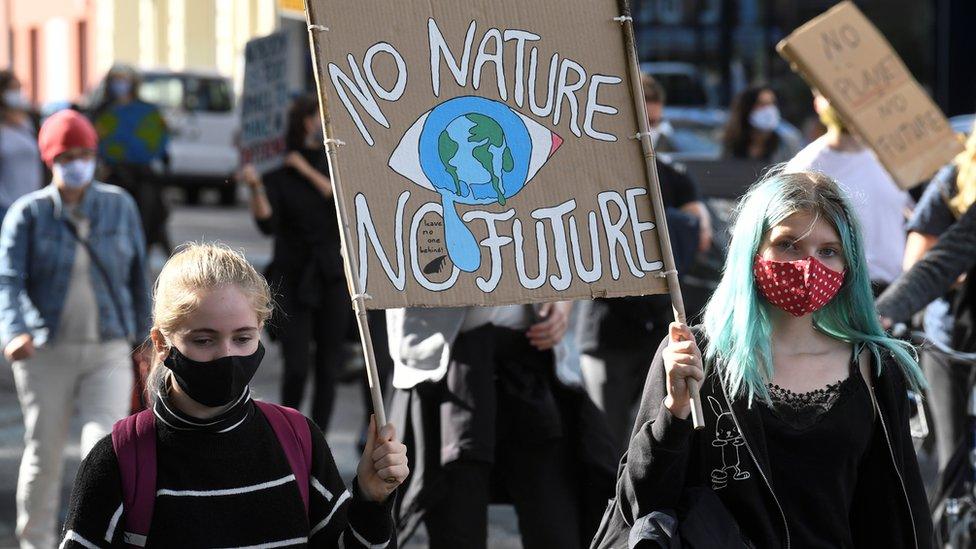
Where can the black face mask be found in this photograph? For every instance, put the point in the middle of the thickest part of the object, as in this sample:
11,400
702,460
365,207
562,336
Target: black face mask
217,382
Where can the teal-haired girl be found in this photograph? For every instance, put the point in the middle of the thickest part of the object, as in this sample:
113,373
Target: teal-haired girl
806,440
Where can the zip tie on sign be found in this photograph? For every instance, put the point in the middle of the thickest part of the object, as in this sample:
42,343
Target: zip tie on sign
361,296
318,28
336,142
665,274
623,19
639,135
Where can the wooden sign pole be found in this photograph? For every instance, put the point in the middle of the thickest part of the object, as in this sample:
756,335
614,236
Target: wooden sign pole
667,255
351,262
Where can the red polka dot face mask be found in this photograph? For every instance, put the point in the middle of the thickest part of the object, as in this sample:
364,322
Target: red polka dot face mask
798,287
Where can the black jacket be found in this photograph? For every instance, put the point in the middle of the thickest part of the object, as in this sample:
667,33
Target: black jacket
666,455
303,221
305,230
625,322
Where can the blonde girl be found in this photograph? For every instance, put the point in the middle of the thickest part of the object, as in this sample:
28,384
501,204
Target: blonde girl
229,471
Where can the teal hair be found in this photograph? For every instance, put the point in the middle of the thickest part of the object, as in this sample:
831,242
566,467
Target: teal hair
737,318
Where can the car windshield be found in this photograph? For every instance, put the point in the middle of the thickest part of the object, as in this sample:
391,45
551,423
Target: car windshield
192,93
682,89
700,139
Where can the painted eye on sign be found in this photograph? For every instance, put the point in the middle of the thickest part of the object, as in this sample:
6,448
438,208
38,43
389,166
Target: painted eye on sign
473,151
487,151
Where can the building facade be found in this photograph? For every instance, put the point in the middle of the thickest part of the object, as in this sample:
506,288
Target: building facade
50,46
61,48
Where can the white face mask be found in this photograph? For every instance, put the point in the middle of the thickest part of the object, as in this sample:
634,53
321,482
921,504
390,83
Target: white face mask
765,118
663,128
120,87
75,174
15,100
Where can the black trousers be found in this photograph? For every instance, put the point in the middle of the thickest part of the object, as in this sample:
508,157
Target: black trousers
324,326
614,379
147,190
950,382
539,481
491,431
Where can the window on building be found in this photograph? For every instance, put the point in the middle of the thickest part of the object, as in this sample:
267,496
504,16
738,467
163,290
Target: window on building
82,57
34,69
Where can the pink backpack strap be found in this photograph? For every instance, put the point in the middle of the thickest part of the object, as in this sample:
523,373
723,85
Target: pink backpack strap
293,433
134,441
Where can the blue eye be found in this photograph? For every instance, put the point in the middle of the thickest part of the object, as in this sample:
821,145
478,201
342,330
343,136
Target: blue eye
828,252
202,342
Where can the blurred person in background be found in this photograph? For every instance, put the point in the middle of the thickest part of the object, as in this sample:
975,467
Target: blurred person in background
947,198
618,336
132,137
73,296
677,189
20,161
880,204
295,205
751,132
654,98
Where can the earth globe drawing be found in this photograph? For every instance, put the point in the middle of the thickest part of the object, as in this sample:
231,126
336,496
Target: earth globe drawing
472,151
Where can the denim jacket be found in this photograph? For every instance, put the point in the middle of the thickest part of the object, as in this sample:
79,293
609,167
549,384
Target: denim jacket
37,251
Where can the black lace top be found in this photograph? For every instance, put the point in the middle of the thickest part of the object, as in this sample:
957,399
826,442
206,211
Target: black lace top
802,410
816,442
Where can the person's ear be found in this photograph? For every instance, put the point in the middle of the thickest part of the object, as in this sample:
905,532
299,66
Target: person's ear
160,346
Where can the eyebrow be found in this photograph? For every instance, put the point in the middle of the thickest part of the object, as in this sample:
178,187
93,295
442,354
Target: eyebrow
788,233
212,331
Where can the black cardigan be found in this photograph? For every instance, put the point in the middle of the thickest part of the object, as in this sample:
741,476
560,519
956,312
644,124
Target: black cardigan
304,225
666,455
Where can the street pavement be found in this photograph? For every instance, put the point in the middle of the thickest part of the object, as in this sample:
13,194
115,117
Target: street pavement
234,227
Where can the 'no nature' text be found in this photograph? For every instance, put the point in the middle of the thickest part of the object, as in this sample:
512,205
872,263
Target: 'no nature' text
570,93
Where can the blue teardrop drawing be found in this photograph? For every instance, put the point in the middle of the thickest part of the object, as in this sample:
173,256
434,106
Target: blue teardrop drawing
472,151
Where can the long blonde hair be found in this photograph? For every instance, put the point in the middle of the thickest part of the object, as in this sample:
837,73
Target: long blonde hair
965,178
191,271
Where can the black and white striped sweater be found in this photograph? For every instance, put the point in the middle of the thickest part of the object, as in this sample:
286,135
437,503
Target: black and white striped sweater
226,483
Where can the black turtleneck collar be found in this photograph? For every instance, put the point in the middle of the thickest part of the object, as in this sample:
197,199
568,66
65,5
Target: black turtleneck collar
169,415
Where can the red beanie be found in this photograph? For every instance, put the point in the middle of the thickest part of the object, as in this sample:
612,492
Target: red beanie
65,130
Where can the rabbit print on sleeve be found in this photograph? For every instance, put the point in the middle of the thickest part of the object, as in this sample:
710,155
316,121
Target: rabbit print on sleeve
728,440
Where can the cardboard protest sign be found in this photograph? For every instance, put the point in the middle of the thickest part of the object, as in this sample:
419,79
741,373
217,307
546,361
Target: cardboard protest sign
485,151
848,60
264,102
